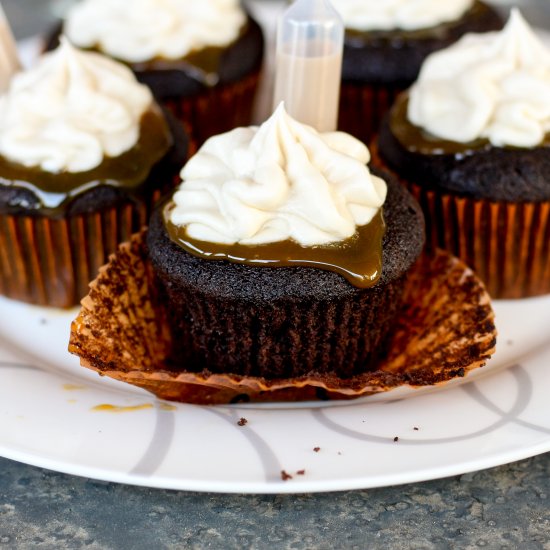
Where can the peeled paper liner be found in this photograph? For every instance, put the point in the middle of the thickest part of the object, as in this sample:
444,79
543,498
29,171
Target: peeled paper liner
445,330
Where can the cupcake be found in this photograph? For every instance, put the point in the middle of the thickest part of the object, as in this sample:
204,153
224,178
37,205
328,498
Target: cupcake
385,45
470,140
84,153
281,254
283,269
201,59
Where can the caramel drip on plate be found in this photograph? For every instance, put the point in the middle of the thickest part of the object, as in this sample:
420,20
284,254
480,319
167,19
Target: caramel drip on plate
56,190
358,259
118,409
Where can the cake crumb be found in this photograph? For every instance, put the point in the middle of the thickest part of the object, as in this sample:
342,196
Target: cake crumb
396,439
285,476
416,428
339,453
43,321
510,342
300,472
316,449
242,422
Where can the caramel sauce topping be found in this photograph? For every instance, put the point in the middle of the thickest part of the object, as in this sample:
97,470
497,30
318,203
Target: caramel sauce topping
128,171
417,140
358,259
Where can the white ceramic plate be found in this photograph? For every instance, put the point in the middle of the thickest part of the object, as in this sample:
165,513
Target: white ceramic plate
51,416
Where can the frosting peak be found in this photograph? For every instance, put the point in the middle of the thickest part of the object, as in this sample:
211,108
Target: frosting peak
281,181
70,111
385,15
494,86
136,31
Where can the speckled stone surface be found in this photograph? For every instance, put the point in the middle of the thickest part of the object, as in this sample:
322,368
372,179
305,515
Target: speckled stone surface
502,508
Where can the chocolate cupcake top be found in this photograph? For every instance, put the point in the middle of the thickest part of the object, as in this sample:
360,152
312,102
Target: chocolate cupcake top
493,86
142,30
75,121
384,15
476,123
246,192
387,41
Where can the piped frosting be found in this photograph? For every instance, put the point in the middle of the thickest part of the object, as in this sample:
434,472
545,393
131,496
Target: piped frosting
70,111
494,86
281,181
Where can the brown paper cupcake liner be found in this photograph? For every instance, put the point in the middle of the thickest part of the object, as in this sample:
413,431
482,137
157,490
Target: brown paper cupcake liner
507,244
50,262
363,106
446,329
220,109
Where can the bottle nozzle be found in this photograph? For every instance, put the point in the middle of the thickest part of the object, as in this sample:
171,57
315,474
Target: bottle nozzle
310,40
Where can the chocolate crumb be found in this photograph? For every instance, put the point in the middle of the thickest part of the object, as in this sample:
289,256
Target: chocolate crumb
396,439
285,476
316,449
301,472
242,422
416,429
43,321
339,453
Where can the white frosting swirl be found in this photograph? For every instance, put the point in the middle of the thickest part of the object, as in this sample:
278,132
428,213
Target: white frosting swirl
385,15
141,30
494,85
70,111
283,180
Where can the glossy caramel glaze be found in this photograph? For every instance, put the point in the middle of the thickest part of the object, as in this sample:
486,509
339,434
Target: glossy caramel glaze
129,170
417,140
358,259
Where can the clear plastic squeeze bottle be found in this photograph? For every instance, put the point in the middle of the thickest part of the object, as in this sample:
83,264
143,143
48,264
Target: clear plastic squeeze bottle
310,41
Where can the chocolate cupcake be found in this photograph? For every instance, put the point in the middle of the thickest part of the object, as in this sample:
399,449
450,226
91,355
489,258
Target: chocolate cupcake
84,154
471,141
280,254
201,59
385,45
283,270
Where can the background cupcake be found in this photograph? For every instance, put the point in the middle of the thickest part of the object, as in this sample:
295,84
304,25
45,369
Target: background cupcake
202,59
84,153
471,141
385,45
273,255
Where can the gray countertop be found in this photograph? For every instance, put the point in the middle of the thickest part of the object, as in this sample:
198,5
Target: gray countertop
502,508
505,507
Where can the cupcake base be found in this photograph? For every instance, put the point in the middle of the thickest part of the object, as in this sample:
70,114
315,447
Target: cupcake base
506,243
445,330
216,110
363,106
50,262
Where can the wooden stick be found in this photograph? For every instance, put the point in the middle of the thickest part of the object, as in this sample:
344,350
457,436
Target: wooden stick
9,58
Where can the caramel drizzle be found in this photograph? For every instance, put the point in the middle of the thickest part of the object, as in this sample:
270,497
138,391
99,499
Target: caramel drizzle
417,140
55,190
358,259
